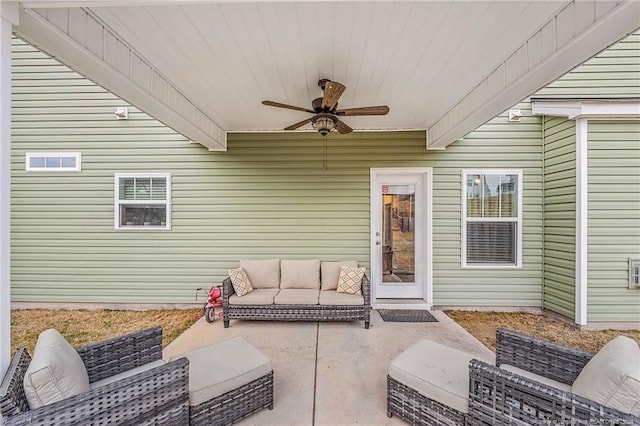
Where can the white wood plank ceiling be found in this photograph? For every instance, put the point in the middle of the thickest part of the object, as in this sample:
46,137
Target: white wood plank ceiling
434,63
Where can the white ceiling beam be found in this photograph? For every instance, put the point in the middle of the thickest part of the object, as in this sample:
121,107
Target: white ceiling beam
593,109
81,41
576,33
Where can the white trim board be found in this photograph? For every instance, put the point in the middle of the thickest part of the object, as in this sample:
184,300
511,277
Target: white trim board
592,109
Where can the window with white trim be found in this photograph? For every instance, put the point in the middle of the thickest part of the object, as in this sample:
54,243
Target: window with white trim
143,201
492,218
53,161
634,273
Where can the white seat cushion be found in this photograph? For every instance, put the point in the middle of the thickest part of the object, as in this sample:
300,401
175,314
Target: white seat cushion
222,367
297,296
332,297
56,371
262,273
126,374
612,376
438,372
329,272
300,274
258,296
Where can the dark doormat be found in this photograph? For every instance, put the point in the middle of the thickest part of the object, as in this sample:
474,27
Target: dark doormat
406,315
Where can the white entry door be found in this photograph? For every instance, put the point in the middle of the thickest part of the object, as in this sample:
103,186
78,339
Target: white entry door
400,213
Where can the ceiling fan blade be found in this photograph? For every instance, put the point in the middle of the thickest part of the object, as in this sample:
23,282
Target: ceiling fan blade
279,105
332,92
343,128
372,110
299,124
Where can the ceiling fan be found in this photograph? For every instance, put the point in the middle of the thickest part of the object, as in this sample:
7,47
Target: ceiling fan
326,112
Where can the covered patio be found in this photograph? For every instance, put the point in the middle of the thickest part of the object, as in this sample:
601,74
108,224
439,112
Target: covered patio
329,373
202,68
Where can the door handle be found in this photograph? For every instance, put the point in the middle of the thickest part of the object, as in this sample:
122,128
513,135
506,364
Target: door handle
377,242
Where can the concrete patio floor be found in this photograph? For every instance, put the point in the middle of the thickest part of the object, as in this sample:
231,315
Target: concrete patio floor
329,373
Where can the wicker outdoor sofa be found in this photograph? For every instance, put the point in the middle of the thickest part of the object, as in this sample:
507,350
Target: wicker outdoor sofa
157,396
271,307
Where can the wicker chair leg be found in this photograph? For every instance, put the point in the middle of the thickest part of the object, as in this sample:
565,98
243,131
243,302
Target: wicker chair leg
226,323
366,325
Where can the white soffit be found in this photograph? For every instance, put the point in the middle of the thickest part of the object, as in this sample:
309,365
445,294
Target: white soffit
423,59
573,35
83,42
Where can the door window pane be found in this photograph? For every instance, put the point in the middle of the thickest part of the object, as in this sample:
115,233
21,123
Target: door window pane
398,233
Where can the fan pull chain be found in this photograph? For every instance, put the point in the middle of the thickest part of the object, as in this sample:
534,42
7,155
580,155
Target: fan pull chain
324,152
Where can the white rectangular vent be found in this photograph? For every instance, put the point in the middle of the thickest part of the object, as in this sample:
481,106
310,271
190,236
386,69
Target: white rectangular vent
634,273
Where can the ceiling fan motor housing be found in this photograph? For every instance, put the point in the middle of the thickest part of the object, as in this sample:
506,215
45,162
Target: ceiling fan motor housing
316,105
324,123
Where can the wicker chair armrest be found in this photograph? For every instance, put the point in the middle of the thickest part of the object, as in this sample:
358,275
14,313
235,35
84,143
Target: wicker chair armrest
227,289
12,398
110,357
156,396
366,290
498,396
548,359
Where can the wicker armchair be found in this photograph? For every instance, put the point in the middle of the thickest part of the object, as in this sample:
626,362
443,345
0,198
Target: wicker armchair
158,396
498,396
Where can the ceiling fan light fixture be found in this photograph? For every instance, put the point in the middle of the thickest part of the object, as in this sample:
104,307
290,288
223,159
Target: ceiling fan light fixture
324,123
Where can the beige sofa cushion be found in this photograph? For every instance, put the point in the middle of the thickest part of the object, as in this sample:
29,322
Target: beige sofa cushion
56,371
222,367
329,272
335,298
126,374
612,376
540,379
240,281
297,296
300,274
259,296
439,372
262,273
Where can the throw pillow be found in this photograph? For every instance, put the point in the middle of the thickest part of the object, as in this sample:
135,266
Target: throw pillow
329,272
350,280
612,376
240,281
56,371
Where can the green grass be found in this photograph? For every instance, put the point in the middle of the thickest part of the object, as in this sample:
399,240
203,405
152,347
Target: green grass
81,327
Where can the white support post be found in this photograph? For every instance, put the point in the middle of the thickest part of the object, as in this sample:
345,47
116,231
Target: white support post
582,168
8,16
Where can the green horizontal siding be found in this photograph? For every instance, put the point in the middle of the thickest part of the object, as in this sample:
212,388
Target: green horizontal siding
559,215
497,144
268,196
613,72
614,220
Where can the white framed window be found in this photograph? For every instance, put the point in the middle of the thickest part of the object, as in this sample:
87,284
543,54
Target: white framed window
634,274
492,218
143,201
53,161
